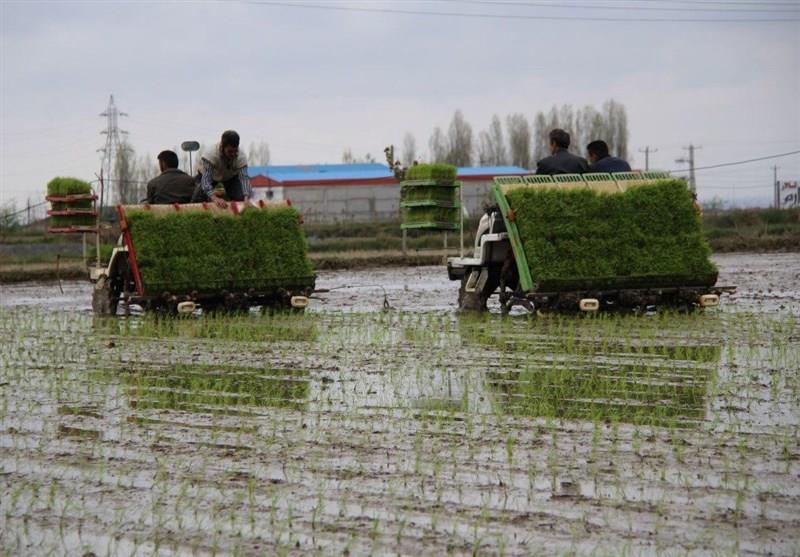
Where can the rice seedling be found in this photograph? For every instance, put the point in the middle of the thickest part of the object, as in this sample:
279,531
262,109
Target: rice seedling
398,432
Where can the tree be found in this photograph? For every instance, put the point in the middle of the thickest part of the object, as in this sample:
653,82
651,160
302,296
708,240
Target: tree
541,142
519,139
125,179
436,144
459,141
485,156
616,128
409,149
491,145
9,217
258,154
584,126
349,158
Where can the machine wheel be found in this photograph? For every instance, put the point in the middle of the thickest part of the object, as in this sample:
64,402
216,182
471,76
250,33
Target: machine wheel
476,300
104,300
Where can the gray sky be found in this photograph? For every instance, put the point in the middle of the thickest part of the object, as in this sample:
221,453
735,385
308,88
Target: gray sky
312,81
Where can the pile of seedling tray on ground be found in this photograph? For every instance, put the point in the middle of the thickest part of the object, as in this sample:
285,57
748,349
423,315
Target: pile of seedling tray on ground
429,198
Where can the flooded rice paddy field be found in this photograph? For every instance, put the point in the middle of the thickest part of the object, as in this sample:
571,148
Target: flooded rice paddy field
414,430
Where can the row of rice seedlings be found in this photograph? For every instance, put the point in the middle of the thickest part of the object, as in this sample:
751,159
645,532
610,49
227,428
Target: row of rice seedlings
356,340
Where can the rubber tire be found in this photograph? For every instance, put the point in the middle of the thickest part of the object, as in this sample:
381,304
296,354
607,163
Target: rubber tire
103,300
476,301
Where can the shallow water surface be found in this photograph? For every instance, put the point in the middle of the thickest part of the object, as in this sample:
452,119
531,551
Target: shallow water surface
408,431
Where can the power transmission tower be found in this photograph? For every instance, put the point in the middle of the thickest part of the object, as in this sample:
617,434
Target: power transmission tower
113,144
647,150
691,148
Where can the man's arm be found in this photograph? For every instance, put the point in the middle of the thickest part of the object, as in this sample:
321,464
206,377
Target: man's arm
206,180
244,179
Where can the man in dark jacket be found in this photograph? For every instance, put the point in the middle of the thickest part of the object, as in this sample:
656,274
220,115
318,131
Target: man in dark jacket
601,161
172,185
561,161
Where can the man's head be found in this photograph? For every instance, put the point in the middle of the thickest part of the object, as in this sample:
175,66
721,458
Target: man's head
559,139
229,144
167,159
597,150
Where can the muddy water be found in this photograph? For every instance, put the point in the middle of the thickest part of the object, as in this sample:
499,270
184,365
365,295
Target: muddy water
766,283
407,431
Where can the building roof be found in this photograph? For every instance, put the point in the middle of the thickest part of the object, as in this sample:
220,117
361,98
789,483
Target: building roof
357,174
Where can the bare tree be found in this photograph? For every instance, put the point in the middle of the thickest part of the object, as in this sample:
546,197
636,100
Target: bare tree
459,141
258,154
485,155
497,146
146,169
519,139
584,126
541,142
409,149
125,179
436,144
616,127
349,158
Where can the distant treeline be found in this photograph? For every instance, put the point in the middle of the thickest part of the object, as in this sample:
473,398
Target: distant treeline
514,139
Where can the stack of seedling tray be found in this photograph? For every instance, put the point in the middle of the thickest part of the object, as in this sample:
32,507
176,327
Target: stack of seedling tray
201,248
580,239
429,198
72,207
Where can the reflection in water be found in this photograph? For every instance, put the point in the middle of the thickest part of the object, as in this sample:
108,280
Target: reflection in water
207,388
238,327
587,374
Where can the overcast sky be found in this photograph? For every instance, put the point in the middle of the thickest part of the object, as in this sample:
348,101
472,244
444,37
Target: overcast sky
313,81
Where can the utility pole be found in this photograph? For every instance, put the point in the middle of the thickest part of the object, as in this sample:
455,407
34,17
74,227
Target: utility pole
691,148
113,144
647,150
777,203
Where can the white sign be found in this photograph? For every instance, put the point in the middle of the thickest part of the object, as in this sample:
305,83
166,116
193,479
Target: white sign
790,194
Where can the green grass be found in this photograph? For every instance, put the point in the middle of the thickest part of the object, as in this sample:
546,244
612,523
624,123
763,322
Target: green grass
184,251
415,215
581,239
439,194
60,186
443,173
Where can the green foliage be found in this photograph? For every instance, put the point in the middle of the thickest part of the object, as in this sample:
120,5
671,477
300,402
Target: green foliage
445,173
580,239
72,220
418,215
440,194
60,186
185,251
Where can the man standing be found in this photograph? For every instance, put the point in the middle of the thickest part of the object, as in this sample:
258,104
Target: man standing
561,161
601,161
224,167
172,185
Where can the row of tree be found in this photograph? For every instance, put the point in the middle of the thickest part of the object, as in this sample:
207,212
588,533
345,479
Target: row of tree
521,142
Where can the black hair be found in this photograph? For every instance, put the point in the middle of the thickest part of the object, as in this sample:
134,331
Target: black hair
560,138
598,148
169,157
229,137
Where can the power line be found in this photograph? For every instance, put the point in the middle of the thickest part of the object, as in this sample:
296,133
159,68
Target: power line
599,6
509,16
768,157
